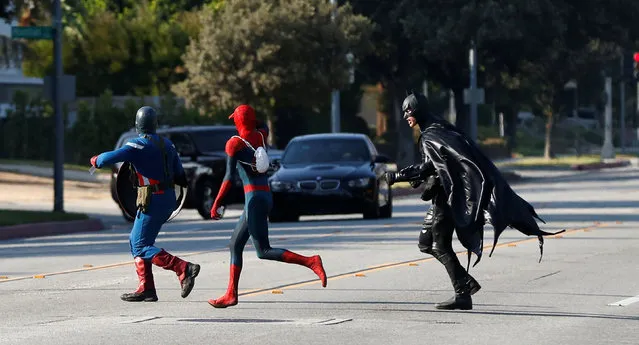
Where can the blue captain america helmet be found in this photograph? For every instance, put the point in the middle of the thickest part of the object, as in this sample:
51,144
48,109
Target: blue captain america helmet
146,120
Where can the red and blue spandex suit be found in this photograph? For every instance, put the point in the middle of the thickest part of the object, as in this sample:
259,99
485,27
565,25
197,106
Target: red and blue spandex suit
258,202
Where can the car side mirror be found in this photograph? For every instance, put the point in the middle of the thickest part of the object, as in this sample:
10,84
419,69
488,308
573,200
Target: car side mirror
381,159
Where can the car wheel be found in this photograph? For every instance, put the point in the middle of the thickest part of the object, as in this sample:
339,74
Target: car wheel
373,210
205,197
126,216
386,211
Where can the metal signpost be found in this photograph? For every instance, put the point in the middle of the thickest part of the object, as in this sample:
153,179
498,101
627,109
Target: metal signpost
473,95
55,33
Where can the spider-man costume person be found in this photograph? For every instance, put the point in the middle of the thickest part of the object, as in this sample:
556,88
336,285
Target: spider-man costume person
257,205
157,166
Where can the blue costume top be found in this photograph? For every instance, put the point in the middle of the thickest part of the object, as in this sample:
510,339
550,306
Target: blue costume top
147,159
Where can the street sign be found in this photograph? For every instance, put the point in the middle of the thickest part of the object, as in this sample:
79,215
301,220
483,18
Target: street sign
32,32
478,96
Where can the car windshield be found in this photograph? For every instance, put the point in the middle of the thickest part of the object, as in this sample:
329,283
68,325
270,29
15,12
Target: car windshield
125,139
213,140
326,150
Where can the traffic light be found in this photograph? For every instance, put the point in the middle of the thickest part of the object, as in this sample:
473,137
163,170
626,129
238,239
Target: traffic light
635,71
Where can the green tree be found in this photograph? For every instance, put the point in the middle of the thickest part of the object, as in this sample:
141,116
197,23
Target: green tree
133,52
277,54
588,40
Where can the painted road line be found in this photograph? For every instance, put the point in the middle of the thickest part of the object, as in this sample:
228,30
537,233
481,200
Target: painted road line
625,302
362,272
120,264
287,286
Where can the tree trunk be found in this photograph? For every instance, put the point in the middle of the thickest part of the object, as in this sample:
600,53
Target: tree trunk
510,127
382,112
461,110
550,123
271,128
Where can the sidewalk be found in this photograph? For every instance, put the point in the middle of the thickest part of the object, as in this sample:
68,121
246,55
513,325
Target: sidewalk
69,175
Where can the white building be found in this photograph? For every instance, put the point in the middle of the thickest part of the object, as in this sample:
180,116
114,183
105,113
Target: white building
11,77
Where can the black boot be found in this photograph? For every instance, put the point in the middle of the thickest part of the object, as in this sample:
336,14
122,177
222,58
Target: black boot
144,296
146,287
192,270
473,285
463,283
461,300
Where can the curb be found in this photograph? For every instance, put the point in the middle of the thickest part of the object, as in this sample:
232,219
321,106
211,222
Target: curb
601,165
49,229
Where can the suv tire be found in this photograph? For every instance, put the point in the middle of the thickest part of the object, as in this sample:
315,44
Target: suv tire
206,191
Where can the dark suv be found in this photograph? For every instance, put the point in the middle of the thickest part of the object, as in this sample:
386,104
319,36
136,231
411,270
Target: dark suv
201,150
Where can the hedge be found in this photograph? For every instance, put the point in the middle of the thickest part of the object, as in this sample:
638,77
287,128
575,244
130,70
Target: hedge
28,131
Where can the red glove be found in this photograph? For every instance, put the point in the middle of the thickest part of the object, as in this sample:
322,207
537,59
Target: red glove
214,214
94,161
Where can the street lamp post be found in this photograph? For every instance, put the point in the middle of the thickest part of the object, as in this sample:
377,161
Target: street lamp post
58,170
335,101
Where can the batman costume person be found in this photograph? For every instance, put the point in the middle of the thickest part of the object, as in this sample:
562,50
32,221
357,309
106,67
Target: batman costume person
242,152
158,168
467,191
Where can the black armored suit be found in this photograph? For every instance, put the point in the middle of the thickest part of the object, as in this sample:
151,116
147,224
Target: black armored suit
466,190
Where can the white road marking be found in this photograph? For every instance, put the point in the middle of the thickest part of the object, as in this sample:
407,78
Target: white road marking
626,302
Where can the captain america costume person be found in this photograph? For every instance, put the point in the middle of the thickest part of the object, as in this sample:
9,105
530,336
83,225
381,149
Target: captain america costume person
258,201
157,167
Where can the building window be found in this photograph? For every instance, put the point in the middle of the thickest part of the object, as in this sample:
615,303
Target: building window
11,56
6,57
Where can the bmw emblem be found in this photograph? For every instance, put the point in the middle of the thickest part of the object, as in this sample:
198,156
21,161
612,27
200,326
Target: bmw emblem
319,178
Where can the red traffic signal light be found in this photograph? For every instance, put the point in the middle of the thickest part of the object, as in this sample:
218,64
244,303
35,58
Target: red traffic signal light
636,57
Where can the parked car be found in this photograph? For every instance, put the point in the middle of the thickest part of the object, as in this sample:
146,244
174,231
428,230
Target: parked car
333,173
201,149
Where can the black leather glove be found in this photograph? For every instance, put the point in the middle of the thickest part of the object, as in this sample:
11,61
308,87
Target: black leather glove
180,180
390,177
415,183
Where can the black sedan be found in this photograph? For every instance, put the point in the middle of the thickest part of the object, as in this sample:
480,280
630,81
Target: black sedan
333,173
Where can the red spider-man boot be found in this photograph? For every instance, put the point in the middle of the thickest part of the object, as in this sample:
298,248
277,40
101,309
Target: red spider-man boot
312,262
146,287
185,271
230,297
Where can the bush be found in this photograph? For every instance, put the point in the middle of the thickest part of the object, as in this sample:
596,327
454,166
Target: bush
27,132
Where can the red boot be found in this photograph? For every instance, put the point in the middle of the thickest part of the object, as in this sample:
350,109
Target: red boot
185,271
230,298
313,262
146,287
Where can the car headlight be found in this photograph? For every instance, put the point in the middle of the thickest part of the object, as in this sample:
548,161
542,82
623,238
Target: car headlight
360,182
278,186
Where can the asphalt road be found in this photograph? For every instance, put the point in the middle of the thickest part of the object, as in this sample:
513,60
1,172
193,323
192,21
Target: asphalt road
381,290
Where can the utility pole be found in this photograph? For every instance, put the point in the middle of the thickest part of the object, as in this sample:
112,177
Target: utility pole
473,91
335,101
58,170
608,150
622,105
637,110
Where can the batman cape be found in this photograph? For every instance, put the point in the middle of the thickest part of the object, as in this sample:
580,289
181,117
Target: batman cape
477,192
